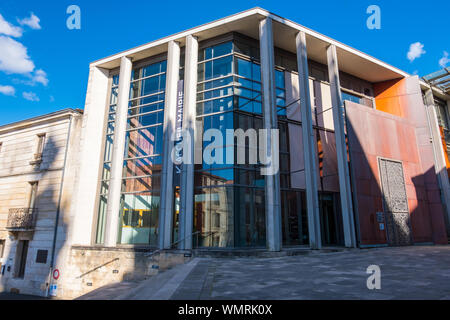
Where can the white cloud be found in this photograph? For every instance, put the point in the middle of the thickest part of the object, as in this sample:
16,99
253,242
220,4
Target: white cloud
8,29
444,60
40,76
31,96
32,22
415,51
14,57
7,90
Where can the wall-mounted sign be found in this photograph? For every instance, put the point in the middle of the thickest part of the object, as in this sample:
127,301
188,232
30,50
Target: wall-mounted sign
178,165
53,290
56,274
380,217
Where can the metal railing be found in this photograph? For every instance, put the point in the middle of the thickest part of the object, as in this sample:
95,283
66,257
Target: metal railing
21,219
98,267
153,253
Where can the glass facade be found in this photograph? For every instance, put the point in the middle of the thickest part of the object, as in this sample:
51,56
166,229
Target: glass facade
229,208
141,183
229,197
357,99
107,157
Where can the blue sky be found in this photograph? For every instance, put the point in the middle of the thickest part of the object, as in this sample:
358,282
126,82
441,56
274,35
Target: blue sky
44,65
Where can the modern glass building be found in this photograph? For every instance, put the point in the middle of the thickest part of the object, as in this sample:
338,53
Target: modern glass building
255,70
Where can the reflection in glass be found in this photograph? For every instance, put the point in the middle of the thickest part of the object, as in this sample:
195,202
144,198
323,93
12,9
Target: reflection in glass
139,218
213,217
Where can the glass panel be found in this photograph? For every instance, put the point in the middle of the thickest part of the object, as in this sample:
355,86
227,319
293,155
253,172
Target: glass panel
294,218
354,98
250,217
146,108
279,79
139,218
141,184
213,217
223,49
215,93
213,106
144,142
215,51
142,167
146,120
215,68
101,220
114,95
108,148
244,68
214,84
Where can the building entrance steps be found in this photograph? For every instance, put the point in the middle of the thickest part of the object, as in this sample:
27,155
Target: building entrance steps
161,286
263,253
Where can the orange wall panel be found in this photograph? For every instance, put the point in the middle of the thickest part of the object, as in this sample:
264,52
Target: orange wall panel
389,97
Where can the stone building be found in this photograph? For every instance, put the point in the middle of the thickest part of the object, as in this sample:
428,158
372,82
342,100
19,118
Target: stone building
38,168
360,154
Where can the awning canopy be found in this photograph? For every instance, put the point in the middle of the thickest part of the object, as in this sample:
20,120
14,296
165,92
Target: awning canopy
439,79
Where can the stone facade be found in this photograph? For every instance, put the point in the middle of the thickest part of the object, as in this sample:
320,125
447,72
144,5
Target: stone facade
20,165
92,267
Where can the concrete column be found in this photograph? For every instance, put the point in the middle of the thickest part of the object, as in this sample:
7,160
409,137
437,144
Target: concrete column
439,157
273,195
187,175
90,158
341,148
113,209
309,145
167,187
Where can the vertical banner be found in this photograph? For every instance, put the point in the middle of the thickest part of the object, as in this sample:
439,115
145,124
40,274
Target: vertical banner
178,130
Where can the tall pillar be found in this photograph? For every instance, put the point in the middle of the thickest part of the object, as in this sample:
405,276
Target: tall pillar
439,156
341,148
113,209
270,121
309,145
187,175
167,186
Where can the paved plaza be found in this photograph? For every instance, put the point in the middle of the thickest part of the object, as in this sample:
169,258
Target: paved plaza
419,272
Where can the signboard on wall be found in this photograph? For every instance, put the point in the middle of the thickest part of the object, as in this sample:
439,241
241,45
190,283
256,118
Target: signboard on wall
178,165
53,290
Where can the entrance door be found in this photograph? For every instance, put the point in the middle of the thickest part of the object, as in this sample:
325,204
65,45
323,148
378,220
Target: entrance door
21,259
331,220
395,203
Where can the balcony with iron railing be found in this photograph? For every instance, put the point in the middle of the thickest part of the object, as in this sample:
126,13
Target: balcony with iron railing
21,219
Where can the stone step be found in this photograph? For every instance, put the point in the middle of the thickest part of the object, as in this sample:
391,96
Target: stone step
261,253
161,286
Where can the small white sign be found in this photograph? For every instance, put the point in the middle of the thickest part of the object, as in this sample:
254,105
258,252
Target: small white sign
53,290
